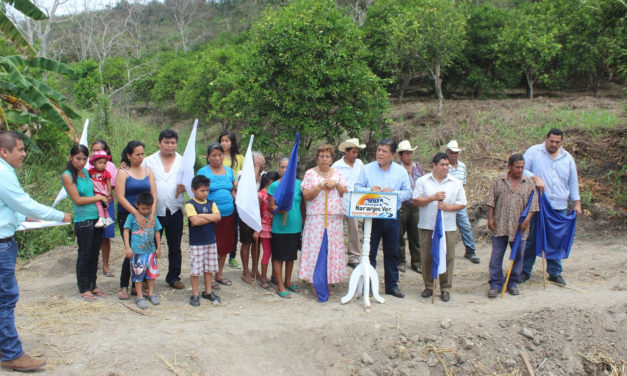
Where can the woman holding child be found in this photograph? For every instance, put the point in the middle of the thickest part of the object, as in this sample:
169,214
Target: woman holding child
130,182
80,189
222,192
320,184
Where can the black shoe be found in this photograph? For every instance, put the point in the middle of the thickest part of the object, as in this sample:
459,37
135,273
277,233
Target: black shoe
426,293
395,292
524,277
513,290
493,293
557,279
211,297
194,301
445,296
352,265
472,256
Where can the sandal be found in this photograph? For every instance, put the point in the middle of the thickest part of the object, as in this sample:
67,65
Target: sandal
108,273
99,293
86,296
224,281
265,285
284,294
294,288
215,286
123,295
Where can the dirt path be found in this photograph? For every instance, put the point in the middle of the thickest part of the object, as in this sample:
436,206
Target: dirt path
254,332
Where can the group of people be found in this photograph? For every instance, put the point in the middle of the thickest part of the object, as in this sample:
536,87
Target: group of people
150,204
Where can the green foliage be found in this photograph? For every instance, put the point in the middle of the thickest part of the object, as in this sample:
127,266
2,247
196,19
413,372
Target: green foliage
87,82
171,75
10,32
304,72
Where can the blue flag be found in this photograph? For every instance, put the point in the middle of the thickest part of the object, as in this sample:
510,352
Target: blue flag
320,279
438,247
284,193
523,216
555,232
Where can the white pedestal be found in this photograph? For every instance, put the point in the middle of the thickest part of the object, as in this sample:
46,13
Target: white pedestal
364,276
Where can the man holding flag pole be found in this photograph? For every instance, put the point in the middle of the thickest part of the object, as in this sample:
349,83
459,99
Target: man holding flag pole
510,210
439,196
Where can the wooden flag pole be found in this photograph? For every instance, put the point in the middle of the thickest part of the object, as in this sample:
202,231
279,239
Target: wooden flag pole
543,270
509,272
284,218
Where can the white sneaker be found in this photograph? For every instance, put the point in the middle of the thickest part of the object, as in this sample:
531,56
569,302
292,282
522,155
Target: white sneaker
108,222
100,223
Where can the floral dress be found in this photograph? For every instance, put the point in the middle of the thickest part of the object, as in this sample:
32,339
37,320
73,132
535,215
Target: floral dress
314,230
266,215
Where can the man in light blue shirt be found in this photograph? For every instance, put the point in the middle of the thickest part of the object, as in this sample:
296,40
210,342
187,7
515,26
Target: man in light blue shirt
554,172
384,176
15,206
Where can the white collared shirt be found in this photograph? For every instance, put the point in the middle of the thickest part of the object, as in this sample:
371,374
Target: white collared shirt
350,174
454,190
166,183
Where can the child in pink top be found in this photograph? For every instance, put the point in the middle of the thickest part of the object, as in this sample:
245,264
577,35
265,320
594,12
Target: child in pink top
101,179
266,224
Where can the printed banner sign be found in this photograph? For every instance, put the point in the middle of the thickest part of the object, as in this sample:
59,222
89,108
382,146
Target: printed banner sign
380,205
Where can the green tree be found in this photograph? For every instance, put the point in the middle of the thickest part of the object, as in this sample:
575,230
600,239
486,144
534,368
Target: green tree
417,36
304,72
529,40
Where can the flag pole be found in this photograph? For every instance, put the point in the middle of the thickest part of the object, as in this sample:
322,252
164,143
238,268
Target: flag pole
435,284
509,272
543,270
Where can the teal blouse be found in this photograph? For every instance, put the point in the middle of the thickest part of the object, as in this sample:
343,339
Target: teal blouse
85,189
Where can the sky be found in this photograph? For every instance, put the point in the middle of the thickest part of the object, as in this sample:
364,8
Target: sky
77,6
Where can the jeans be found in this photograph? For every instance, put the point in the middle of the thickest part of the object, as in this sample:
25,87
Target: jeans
173,226
10,344
125,273
388,230
463,223
499,247
553,267
89,240
409,225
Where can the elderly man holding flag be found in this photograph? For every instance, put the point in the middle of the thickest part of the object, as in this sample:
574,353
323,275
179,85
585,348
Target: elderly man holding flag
439,196
509,212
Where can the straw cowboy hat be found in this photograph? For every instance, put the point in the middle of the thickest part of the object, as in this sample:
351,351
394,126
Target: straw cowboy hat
453,146
350,143
405,146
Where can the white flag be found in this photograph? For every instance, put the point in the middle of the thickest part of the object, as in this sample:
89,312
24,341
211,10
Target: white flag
246,197
62,195
186,169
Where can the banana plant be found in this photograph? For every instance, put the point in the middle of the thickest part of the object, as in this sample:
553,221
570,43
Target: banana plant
10,31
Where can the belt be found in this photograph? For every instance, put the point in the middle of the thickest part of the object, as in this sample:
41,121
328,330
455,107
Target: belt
6,240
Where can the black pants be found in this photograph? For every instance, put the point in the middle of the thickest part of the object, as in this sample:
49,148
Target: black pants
89,240
172,223
125,273
388,231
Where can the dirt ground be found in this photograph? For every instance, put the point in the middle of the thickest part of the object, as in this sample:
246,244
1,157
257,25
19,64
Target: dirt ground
256,332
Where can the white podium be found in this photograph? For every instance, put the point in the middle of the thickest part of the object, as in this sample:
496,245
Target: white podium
364,278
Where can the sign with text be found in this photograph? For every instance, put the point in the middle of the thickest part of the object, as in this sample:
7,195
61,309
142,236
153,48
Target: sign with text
381,205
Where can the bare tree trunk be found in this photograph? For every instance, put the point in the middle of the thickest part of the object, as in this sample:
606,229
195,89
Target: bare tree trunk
438,86
530,82
360,10
405,79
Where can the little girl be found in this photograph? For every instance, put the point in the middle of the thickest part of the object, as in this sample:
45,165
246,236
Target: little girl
266,225
101,178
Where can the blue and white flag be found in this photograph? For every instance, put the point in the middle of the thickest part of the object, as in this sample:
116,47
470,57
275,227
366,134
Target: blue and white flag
284,193
62,195
438,247
186,168
246,196
320,277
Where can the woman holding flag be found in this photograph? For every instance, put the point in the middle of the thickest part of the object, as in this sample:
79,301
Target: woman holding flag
323,187
222,192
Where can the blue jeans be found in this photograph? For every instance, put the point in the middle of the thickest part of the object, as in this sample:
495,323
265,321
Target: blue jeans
386,230
553,267
499,247
10,344
463,223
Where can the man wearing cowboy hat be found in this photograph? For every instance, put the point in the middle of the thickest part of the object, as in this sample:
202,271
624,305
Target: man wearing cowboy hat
409,211
458,170
350,167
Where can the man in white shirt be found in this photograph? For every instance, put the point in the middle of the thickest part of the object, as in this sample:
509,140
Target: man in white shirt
438,190
350,167
165,165
458,170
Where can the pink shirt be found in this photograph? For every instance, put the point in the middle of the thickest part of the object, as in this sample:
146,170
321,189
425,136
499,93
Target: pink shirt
266,214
